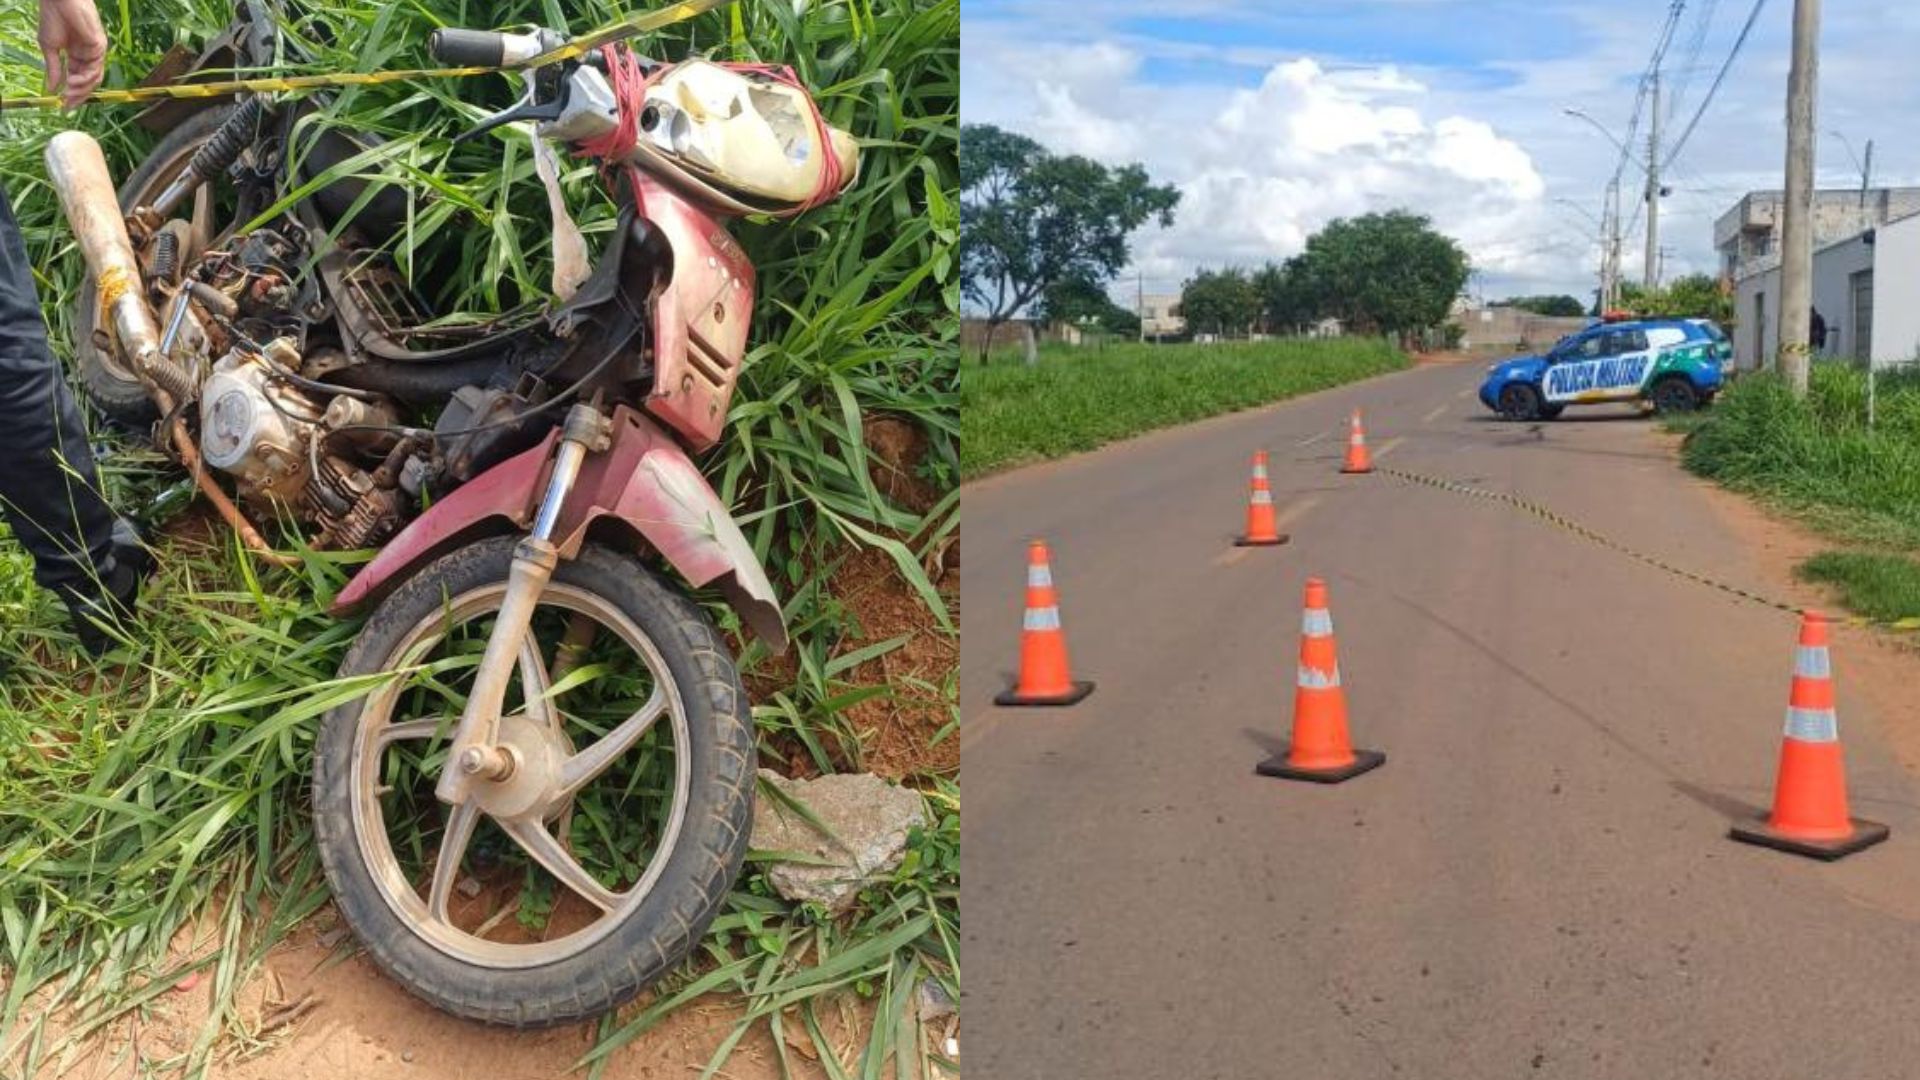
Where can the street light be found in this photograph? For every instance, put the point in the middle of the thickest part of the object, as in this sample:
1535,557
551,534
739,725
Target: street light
1602,129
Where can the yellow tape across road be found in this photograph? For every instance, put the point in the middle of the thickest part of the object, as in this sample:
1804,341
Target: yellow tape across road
580,46
1553,518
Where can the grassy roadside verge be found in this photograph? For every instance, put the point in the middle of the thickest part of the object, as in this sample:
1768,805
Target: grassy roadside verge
1075,400
1817,461
166,790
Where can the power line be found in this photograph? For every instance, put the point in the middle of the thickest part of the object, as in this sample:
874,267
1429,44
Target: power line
1752,17
1695,42
1647,76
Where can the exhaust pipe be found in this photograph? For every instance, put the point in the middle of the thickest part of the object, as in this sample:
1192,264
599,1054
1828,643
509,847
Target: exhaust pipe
79,174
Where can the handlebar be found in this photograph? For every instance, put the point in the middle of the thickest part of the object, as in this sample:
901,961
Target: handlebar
482,48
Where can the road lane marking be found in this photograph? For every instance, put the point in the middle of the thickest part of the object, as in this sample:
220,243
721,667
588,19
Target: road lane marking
1294,512
1434,415
1387,447
1462,395
1310,440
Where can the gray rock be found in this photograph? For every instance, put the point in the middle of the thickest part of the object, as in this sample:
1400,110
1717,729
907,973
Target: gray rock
870,817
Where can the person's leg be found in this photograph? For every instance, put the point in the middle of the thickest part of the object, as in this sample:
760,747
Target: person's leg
81,550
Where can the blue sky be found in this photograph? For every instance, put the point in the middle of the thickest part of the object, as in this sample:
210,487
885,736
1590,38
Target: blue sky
1276,116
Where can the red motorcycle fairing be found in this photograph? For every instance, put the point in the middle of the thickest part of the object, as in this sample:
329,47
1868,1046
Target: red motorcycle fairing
700,314
644,486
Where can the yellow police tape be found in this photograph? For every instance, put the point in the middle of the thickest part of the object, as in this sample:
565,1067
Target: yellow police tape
634,24
1555,519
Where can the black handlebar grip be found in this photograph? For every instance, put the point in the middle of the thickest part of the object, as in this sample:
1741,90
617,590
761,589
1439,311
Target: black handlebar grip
468,48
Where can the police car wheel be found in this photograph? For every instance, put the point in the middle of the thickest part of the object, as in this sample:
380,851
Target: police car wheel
1675,394
1519,401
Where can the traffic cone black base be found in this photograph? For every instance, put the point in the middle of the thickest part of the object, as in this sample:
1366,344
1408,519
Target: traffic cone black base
1363,761
1241,541
1013,697
1865,835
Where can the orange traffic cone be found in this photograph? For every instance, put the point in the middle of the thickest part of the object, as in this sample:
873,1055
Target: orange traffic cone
1357,459
1263,530
1321,751
1043,645
1810,792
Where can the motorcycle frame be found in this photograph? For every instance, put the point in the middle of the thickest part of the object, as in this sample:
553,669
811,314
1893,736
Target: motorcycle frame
641,490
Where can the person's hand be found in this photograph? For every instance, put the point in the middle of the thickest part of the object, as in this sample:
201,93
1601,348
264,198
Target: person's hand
75,47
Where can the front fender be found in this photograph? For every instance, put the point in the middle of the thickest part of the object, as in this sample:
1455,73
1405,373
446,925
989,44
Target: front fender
643,485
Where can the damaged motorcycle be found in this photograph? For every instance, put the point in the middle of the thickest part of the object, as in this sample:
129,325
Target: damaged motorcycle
535,791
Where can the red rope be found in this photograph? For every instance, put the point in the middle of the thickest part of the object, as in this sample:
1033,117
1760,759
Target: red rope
830,177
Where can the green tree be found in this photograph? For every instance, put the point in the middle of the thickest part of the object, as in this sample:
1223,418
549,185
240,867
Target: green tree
1383,273
1695,296
1219,302
1083,302
1030,219
1286,304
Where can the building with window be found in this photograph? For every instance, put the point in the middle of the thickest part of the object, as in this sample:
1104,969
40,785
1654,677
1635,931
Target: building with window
1863,287
1750,232
1157,316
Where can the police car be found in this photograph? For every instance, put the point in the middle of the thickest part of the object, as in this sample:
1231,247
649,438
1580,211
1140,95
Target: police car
1672,364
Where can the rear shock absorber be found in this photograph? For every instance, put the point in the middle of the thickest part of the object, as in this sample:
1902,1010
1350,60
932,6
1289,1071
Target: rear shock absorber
214,156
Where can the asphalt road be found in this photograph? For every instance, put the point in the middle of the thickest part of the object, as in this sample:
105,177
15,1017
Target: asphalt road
1537,883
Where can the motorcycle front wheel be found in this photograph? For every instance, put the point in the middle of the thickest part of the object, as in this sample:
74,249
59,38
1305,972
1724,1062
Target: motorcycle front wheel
595,867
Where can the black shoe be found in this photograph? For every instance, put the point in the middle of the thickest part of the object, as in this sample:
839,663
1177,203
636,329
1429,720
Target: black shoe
129,565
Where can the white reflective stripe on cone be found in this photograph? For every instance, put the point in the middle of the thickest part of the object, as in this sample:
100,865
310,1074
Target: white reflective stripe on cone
1040,577
1046,618
1316,623
1812,725
1261,497
1259,472
1315,679
1812,662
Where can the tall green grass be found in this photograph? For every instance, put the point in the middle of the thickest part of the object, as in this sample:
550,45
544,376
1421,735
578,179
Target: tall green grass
136,802
1817,458
1076,400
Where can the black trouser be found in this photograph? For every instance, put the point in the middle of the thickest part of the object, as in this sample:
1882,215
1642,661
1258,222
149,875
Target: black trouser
48,487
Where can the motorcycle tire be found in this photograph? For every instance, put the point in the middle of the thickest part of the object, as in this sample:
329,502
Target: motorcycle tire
118,394
667,919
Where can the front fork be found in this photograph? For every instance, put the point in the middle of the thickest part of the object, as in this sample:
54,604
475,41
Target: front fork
476,753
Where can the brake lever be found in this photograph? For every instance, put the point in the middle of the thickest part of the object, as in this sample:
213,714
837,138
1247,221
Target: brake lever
524,109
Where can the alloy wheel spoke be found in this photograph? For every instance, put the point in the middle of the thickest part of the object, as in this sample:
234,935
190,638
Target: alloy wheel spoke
410,729
535,683
582,767
446,866
532,836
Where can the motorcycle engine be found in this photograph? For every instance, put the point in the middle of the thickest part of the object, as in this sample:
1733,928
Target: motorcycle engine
333,462
335,458
258,430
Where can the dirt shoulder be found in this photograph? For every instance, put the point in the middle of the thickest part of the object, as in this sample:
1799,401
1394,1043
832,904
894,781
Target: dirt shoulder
1877,666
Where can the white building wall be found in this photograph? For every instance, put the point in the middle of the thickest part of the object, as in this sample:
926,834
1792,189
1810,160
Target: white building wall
1754,325
1894,258
1896,292
1833,270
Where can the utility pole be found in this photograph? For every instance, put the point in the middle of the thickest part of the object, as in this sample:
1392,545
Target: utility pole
1866,179
1651,269
1612,242
1140,302
1796,226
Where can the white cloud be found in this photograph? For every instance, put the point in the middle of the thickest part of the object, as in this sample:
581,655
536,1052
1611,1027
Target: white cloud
1261,169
